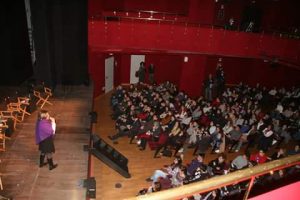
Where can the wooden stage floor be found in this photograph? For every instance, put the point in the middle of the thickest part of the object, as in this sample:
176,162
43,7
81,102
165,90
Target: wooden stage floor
21,176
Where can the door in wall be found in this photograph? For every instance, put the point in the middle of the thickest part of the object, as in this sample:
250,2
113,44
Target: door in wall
109,74
134,66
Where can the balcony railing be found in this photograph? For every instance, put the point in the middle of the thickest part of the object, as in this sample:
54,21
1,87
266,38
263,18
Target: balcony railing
182,18
224,180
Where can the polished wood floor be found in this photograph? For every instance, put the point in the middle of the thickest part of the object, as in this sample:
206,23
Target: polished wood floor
141,163
23,179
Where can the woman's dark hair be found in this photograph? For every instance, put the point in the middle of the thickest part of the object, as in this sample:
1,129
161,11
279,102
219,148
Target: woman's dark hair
223,156
42,114
179,161
157,186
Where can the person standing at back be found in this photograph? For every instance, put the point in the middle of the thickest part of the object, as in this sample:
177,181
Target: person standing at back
45,130
151,74
142,72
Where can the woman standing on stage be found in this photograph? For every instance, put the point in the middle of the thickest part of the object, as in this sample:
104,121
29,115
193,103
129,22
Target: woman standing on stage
45,130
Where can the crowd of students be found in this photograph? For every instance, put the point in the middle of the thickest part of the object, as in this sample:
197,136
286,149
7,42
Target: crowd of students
169,120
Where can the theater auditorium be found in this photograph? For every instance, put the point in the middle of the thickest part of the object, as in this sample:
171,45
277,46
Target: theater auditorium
150,100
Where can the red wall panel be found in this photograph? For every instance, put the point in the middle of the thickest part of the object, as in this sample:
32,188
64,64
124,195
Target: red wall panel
117,69
95,7
253,71
121,69
202,11
290,192
125,68
183,38
167,67
192,75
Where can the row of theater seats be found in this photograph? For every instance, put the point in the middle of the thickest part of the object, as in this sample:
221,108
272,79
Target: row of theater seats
15,110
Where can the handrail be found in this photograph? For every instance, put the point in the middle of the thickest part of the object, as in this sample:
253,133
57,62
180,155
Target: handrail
148,11
221,181
179,18
177,21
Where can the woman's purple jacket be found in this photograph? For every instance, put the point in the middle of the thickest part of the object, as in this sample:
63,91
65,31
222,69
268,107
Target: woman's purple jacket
43,130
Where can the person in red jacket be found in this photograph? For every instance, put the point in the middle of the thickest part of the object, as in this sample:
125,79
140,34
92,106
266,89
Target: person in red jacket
259,157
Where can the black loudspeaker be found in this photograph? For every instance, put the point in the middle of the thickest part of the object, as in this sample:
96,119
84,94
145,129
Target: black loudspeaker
90,185
9,131
110,156
93,117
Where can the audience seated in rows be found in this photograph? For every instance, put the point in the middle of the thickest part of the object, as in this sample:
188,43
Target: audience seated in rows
169,120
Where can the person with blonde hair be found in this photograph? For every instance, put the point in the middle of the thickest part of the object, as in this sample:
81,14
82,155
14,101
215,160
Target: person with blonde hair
45,131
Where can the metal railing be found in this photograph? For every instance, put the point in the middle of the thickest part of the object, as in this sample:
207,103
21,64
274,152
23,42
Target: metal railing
182,18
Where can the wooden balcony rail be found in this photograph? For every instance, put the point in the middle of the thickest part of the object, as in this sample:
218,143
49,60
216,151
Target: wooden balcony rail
221,181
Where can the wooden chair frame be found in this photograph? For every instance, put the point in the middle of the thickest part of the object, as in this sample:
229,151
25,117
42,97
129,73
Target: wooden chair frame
48,91
24,101
43,100
17,111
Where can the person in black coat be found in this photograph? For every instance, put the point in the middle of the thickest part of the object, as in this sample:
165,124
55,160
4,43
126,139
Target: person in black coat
203,144
141,72
130,130
151,74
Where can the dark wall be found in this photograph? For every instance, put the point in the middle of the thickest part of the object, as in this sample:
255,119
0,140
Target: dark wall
60,35
15,62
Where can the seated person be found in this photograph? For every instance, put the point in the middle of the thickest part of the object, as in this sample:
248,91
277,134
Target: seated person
217,140
259,158
200,173
167,171
203,142
249,137
196,163
294,151
145,126
131,129
196,113
234,137
193,132
168,127
265,141
179,178
279,154
153,188
218,166
150,134
165,118
240,162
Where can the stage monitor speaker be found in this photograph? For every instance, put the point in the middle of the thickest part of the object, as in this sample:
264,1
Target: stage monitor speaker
90,185
93,117
110,156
